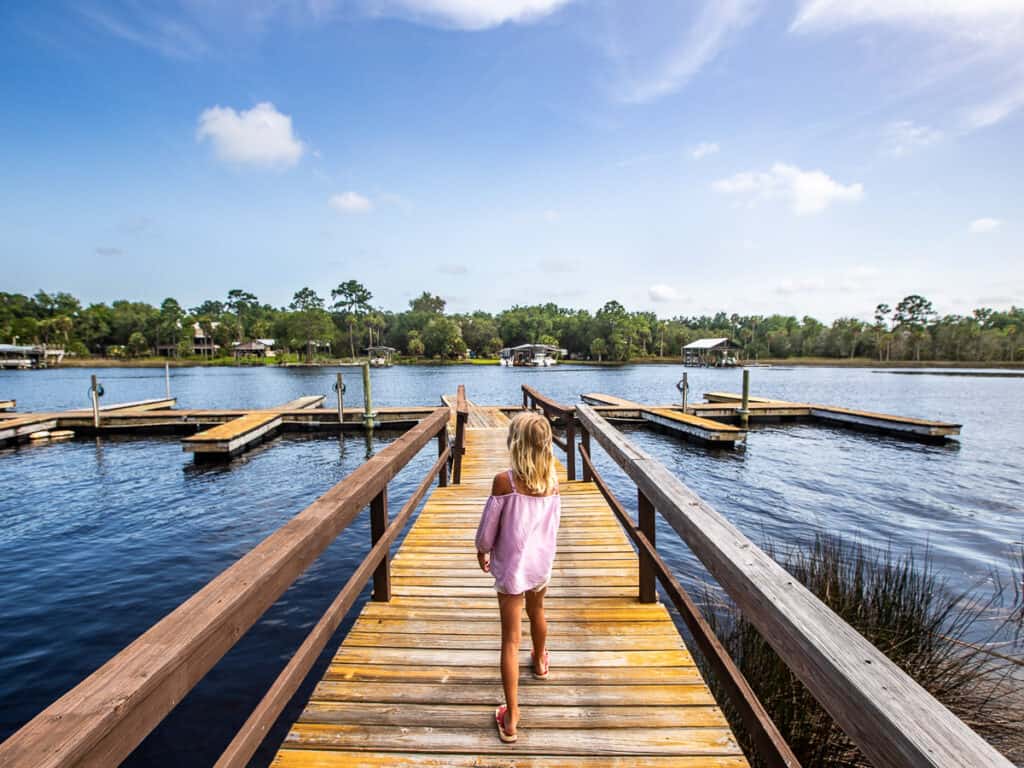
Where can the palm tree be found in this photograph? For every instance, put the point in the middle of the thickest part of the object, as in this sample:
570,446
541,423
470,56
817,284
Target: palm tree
353,300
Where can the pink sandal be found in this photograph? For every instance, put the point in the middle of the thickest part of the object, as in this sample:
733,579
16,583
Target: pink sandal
544,666
499,720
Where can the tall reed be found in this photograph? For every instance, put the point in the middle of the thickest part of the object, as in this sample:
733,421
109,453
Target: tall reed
966,650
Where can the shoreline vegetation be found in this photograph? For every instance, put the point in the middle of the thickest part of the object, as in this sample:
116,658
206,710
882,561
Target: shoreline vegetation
965,648
296,361
312,328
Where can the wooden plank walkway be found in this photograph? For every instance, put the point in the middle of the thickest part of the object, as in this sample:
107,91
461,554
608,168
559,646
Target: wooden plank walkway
416,680
8,405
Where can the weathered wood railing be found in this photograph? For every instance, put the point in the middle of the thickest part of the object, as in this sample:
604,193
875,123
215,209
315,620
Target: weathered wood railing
894,721
101,720
561,415
461,417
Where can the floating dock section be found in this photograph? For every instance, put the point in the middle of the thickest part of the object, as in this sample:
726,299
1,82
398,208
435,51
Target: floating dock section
416,681
885,423
238,435
8,405
725,406
670,419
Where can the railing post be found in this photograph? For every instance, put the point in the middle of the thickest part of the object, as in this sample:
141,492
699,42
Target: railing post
570,445
378,525
442,443
585,441
526,401
645,522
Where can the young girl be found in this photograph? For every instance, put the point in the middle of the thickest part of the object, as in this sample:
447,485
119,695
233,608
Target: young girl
515,543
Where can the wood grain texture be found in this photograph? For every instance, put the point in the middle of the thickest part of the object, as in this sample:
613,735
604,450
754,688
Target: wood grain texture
885,712
416,680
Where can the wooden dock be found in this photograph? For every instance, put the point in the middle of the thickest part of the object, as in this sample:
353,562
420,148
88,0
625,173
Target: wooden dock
8,405
669,418
233,437
901,426
416,681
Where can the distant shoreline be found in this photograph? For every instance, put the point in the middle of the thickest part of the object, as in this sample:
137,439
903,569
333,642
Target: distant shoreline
805,362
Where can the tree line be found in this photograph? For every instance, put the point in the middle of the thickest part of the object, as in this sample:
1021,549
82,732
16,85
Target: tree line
346,322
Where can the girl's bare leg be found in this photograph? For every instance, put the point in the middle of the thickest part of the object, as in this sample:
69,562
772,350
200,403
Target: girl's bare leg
538,622
511,607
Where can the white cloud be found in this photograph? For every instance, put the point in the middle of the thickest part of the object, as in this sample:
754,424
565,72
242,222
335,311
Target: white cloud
260,136
905,136
350,202
551,216
984,226
704,149
801,285
985,37
809,192
653,76
661,293
466,14
995,110
560,264
979,17
453,269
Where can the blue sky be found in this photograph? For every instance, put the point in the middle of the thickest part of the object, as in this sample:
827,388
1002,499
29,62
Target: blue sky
817,156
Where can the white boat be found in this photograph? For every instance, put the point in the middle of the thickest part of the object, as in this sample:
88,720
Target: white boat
380,357
531,356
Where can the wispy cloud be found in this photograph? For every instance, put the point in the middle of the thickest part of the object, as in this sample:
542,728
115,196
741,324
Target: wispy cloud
662,293
650,72
259,136
984,226
108,251
560,264
704,149
453,269
350,202
905,136
808,192
465,14
171,37
985,37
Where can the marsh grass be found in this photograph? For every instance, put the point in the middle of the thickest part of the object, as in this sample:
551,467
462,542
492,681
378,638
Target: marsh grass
964,649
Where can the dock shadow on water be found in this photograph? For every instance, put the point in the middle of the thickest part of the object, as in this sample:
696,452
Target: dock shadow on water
967,650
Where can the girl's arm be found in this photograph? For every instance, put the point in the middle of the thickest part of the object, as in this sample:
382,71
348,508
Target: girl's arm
487,531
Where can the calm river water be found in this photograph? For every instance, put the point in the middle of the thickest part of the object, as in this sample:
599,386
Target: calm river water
101,538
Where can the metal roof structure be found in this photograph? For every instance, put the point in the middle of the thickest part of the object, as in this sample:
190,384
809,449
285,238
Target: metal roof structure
710,344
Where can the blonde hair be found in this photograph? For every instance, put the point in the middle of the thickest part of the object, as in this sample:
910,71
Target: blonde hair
529,446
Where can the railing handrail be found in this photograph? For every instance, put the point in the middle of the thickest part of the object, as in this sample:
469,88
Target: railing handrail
770,745
556,411
890,717
547,403
102,719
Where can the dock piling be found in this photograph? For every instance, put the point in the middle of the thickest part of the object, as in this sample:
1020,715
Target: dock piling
744,412
367,398
94,395
339,387
167,380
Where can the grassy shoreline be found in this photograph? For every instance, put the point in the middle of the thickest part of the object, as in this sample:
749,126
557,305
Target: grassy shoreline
809,362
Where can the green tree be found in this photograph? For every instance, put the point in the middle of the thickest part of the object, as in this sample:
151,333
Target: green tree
352,300
913,314
598,348
309,322
137,344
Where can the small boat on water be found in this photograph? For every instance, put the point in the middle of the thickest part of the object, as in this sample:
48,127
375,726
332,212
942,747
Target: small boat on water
531,356
380,357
